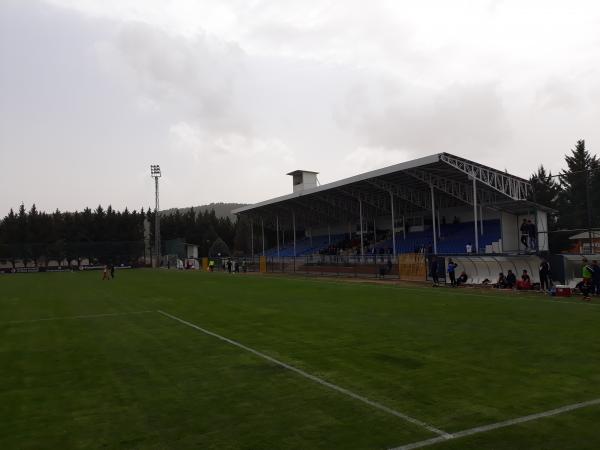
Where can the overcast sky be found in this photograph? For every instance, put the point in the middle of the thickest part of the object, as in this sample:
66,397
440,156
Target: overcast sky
229,95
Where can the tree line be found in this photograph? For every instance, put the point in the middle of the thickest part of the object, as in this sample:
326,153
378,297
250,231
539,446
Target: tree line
574,194
28,233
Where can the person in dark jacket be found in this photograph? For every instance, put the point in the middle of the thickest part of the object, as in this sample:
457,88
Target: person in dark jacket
511,279
532,234
452,272
501,283
433,270
544,275
524,233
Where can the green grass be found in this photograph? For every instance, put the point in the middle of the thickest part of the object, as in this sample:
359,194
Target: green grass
455,359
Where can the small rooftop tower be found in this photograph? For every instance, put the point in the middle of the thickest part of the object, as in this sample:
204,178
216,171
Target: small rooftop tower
303,179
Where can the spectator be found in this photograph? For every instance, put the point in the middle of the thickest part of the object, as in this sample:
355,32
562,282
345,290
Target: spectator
501,283
389,266
511,279
462,279
524,233
452,272
469,248
544,275
525,282
532,234
433,270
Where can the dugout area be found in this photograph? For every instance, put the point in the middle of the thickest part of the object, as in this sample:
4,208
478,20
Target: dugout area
87,364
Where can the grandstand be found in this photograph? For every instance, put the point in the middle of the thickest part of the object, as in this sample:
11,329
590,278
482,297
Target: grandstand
440,203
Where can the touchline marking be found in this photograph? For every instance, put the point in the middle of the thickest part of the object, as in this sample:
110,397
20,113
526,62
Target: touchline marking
493,426
88,316
443,435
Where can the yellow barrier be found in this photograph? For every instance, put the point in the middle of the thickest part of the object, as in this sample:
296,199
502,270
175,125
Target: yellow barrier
412,267
263,264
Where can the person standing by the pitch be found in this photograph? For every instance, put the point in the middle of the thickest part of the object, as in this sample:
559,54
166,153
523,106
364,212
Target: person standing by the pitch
452,272
586,283
544,275
112,270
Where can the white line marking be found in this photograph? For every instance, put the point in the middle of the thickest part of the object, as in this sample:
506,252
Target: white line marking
493,426
89,316
314,378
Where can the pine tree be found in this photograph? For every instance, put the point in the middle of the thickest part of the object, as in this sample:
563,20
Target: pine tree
579,179
545,188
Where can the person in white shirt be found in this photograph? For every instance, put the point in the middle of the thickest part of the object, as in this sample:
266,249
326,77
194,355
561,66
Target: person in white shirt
469,248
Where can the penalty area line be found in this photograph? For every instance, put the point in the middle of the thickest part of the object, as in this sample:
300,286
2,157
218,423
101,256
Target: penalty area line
442,434
503,424
87,316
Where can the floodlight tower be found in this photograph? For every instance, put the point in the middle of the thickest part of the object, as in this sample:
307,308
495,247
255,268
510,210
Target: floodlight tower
155,173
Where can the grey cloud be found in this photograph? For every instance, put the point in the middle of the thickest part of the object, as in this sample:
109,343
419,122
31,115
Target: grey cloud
556,94
459,118
192,76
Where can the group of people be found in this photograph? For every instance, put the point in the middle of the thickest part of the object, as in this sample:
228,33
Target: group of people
434,272
509,281
590,283
528,234
229,265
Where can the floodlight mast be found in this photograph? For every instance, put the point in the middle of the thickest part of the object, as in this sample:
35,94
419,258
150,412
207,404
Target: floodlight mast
156,174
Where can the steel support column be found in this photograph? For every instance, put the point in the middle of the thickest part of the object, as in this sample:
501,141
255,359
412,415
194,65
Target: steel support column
277,233
393,225
262,224
362,243
433,228
480,218
375,230
294,230
252,238
475,214
156,225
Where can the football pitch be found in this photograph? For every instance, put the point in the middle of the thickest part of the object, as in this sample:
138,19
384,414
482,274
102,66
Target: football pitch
178,360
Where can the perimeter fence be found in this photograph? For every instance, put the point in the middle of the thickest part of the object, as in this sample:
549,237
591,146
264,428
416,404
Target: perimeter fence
31,257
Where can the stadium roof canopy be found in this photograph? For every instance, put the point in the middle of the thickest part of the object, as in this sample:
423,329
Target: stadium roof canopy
445,179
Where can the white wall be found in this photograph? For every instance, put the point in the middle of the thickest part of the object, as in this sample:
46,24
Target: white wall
509,225
542,227
192,251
